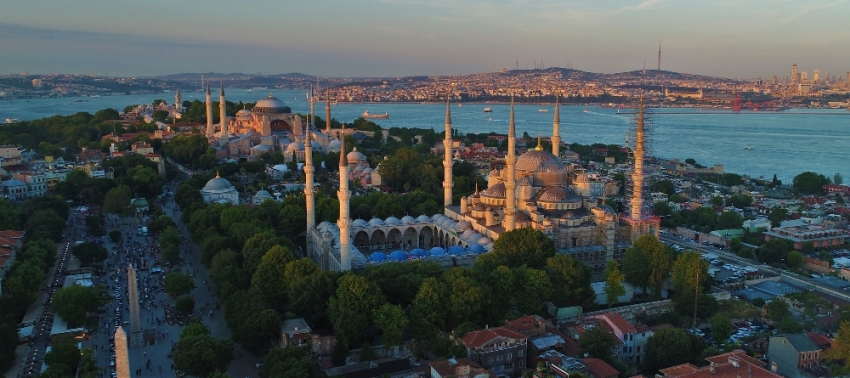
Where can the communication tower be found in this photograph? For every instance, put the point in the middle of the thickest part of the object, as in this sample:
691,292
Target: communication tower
639,214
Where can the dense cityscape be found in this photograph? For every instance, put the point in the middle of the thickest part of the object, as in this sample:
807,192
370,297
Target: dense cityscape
194,192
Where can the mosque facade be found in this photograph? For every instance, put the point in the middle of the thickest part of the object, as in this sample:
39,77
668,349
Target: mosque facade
535,189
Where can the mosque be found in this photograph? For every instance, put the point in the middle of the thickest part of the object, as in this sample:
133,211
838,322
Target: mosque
534,190
268,127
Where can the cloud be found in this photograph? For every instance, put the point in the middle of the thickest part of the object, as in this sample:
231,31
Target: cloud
645,4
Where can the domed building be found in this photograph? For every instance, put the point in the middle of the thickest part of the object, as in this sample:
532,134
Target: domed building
219,190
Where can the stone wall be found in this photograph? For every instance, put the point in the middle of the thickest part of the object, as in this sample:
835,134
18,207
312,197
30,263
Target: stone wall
817,265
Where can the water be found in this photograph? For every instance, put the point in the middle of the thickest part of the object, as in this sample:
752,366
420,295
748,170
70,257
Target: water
784,143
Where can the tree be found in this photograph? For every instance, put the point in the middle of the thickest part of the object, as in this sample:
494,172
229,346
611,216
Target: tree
340,352
289,362
670,347
524,246
392,321
758,302
597,342
570,280
118,200
88,366
741,201
837,179
777,215
73,302
777,310
809,183
747,253
729,220
427,311
258,330
773,251
194,329
308,297
690,272
735,245
177,284
531,288
721,327
350,310
647,264
795,259
23,282
841,350
115,236
665,186
184,304
64,353
90,253
717,201
202,355
789,325
807,248
465,297
614,288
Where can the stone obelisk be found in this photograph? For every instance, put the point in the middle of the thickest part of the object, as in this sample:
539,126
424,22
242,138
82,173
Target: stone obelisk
135,317
122,356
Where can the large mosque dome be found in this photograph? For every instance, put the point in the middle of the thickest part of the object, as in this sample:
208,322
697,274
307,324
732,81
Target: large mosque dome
539,161
271,105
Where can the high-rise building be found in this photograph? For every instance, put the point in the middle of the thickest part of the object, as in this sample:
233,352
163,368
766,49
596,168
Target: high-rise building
37,83
795,79
804,76
816,75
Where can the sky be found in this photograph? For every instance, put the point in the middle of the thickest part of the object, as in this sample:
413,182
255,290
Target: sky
388,38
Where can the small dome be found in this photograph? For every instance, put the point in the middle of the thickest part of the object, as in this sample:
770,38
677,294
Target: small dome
355,156
522,217
484,241
315,145
475,238
495,191
418,253
464,225
376,222
438,217
271,105
437,252
295,146
216,183
392,221
455,250
359,223
335,145
358,168
476,249
323,226
423,218
466,234
244,113
539,161
525,180
368,170
479,207
558,194
378,257
398,256
407,220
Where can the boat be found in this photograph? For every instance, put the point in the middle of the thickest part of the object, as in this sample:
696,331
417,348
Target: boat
748,148
543,110
95,96
367,115
12,120
460,105
585,111
249,90
488,110
78,100
490,118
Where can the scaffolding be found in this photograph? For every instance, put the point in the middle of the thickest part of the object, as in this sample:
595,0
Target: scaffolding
638,213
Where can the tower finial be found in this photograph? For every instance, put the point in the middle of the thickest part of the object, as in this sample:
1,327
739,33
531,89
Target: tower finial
343,158
221,90
511,122
216,174
539,144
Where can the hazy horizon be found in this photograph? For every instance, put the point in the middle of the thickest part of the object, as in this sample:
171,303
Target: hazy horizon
388,38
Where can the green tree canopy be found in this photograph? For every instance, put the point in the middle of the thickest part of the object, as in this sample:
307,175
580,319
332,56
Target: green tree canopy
350,310
614,288
524,246
90,253
809,183
647,264
721,327
392,321
671,347
570,280
73,302
177,284
690,272
201,355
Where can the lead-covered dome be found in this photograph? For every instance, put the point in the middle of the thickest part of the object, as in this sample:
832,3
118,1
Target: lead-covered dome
558,194
539,161
355,157
271,105
495,191
217,184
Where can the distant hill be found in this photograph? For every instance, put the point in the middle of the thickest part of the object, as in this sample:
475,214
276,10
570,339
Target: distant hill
232,75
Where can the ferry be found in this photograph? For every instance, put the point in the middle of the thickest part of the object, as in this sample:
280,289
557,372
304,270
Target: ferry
367,115
488,110
95,96
12,120
748,148
459,105
543,110
249,90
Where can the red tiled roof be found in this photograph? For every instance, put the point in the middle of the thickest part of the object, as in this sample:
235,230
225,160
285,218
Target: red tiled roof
599,368
722,367
446,368
678,370
11,234
478,338
528,323
616,320
821,341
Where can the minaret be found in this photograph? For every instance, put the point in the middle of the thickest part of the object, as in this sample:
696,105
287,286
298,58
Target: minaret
510,183
312,105
327,113
178,101
222,108
344,222
308,184
210,127
447,164
556,128
637,174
